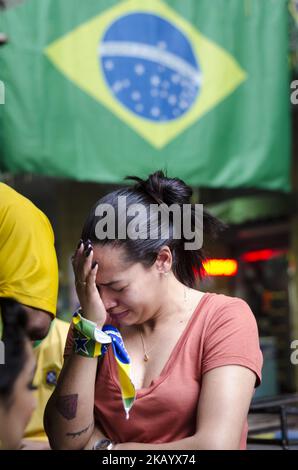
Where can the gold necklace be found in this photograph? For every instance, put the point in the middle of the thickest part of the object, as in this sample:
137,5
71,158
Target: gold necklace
146,356
146,353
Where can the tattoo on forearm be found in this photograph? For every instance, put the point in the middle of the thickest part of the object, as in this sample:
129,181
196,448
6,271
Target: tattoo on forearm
67,406
79,433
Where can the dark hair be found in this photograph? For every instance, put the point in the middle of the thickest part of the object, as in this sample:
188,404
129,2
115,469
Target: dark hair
14,334
157,189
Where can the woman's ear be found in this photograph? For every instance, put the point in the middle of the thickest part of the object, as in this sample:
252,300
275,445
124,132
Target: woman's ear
164,260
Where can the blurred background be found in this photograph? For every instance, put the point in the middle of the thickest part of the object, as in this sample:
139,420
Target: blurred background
97,90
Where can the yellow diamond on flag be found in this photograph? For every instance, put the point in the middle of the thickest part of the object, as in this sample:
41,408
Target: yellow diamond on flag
150,67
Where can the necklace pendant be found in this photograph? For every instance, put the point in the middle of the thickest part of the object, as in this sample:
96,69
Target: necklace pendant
146,357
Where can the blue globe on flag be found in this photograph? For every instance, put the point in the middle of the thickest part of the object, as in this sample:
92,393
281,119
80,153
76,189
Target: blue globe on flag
150,67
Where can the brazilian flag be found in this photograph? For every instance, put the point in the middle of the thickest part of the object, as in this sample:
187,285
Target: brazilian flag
96,90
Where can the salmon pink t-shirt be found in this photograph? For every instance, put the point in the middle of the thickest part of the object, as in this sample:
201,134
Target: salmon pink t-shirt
221,331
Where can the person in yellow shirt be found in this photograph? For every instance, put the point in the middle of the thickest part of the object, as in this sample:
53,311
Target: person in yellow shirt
28,262
49,356
29,275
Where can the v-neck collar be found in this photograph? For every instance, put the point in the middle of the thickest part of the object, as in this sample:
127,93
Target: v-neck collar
175,351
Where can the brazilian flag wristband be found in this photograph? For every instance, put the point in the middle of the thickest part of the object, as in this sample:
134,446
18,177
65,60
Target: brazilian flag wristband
89,340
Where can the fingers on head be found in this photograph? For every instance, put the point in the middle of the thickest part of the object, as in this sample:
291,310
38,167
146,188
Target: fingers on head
75,257
91,277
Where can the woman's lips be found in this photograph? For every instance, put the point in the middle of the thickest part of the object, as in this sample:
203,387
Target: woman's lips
120,314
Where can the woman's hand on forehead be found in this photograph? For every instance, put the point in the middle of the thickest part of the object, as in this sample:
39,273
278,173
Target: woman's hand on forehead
85,271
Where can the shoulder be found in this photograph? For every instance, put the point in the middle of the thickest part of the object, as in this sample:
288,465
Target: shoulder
57,336
222,300
226,311
60,327
217,303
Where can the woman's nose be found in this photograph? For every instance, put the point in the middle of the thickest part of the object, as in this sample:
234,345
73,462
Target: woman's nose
108,300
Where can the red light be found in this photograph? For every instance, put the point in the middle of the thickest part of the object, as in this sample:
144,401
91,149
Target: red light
261,255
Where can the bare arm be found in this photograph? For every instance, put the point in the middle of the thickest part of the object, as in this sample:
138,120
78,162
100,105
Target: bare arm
222,411
69,418
96,436
69,414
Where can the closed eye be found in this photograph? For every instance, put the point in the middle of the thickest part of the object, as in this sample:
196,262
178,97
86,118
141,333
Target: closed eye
119,290
112,288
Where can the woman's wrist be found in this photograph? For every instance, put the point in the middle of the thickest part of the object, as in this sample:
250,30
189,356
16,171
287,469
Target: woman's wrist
93,317
87,335
97,435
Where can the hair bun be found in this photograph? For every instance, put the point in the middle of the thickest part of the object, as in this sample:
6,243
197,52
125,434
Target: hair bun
163,189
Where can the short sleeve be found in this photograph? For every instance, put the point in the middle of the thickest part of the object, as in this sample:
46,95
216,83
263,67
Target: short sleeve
232,338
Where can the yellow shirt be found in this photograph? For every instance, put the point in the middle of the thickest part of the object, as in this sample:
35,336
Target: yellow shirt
28,262
49,355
